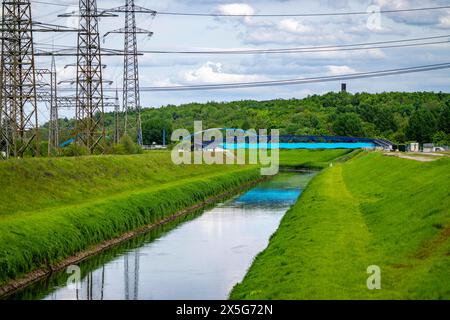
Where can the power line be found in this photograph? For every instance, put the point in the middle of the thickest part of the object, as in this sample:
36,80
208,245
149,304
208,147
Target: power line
240,85
328,48
197,14
313,14
56,4
279,51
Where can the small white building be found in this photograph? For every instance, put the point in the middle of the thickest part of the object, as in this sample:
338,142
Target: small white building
414,147
428,147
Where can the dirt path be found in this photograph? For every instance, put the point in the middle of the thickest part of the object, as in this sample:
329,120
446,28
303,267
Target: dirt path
422,158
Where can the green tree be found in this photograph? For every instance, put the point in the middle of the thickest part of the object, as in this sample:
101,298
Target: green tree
440,138
348,124
422,126
153,129
444,119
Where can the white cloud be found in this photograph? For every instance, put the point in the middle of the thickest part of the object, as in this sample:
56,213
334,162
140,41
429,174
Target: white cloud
420,18
211,72
162,83
444,22
339,70
293,26
236,9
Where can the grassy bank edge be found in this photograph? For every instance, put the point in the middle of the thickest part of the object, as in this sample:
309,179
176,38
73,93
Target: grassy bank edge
315,159
393,264
47,242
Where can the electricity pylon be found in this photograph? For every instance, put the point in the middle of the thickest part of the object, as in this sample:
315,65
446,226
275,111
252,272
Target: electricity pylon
90,128
18,101
53,130
131,95
117,119
47,78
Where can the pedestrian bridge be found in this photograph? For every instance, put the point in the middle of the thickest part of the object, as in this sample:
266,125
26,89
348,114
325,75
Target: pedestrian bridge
301,142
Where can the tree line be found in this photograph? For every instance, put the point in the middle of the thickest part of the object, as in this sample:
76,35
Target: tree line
400,117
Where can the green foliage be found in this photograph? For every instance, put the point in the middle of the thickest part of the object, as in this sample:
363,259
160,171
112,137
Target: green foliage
310,159
348,124
444,119
74,150
441,139
422,125
372,210
383,115
153,129
127,146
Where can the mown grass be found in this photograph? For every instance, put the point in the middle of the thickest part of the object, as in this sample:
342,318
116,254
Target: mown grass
72,204
51,209
372,210
36,184
311,159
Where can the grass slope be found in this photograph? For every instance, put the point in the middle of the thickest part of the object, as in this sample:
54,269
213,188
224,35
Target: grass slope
311,159
372,210
51,209
36,184
72,204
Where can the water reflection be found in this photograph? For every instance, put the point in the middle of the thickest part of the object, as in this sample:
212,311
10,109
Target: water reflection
202,258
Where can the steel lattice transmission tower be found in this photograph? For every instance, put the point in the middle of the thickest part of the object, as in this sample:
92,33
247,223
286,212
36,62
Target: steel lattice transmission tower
90,127
117,118
18,101
53,132
131,95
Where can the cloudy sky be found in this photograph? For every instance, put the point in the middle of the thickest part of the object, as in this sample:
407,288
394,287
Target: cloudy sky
209,33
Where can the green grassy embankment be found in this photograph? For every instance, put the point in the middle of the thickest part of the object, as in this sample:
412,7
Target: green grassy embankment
372,210
51,209
313,159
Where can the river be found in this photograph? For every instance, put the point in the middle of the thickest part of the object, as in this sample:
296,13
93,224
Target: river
200,256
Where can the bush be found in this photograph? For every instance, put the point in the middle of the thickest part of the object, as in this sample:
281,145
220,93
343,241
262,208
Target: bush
74,150
440,138
126,146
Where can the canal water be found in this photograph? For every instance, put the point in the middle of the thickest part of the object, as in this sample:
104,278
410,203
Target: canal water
201,256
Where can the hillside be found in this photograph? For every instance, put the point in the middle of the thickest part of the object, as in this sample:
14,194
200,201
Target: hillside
399,117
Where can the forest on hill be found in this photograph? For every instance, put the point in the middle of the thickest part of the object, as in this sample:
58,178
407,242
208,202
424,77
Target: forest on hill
397,116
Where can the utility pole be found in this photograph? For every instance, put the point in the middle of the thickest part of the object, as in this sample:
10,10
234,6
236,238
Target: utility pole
131,94
18,105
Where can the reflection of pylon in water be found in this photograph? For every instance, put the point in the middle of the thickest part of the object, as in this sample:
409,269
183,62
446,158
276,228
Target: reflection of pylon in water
93,286
18,101
131,276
